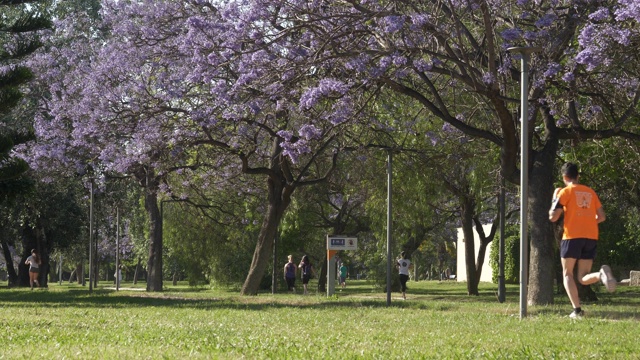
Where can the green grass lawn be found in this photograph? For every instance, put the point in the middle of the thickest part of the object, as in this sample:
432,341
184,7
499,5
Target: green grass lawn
437,321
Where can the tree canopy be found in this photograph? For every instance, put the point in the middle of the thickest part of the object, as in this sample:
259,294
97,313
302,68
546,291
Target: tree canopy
196,94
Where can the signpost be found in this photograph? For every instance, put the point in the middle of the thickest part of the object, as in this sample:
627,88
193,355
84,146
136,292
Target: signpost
335,244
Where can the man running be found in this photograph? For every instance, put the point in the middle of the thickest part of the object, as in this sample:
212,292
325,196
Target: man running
582,213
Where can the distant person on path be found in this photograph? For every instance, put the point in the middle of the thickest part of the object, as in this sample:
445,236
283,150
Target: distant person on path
290,274
306,270
34,268
582,213
343,275
403,266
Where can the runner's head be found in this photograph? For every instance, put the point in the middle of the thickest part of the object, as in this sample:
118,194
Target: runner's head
570,171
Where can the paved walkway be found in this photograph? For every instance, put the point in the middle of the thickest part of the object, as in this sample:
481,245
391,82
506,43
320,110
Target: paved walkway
125,288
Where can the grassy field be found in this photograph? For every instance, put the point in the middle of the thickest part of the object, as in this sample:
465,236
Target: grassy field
437,321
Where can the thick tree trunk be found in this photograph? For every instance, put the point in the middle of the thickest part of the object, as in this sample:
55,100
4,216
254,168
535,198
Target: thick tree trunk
154,266
29,241
264,246
11,270
279,199
468,209
541,256
43,248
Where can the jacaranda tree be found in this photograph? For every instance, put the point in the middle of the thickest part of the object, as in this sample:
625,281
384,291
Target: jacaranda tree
267,87
189,88
452,58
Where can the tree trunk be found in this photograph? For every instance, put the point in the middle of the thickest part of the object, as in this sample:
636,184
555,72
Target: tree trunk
279,199
154,266
136,272
11,270
263,250
322,278
541,255
468,209
482,251
29,241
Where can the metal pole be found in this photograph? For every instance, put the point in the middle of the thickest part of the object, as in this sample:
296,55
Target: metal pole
60,271
501,285
118,248
524,185
524,175
91,239
275,264
389,224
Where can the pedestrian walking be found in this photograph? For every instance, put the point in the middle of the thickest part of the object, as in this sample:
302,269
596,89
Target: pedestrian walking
290,274
307,270
343,275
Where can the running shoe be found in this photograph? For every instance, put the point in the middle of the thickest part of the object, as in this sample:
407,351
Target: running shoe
606,276
577,315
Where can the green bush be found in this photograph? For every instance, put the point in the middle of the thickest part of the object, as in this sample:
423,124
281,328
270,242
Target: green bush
511,258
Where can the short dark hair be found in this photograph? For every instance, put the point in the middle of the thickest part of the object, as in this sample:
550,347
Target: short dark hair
570,170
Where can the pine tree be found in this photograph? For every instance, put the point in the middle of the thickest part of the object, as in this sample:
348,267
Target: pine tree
18,36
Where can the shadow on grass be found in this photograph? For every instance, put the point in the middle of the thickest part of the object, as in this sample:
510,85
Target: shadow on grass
447,297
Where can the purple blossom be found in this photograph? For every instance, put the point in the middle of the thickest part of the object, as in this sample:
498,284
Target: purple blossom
562,121
552,69
422,65
546,21
628,10
393,23
568,77
419,20
341,110
531,35
310,132
488,78
399,60
325,88
511,34
595,109
358,63
285,134
590,57
600,14
385,62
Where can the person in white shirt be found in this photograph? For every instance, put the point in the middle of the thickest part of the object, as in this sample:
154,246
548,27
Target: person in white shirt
403,266
34,268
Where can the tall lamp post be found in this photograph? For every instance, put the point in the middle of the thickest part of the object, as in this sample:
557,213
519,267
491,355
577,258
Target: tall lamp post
91,238
389,222
501,285
524,172
118,249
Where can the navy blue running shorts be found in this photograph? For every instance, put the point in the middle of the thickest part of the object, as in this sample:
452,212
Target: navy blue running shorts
578,249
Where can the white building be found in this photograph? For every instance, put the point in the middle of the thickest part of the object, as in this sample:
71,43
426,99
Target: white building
461,270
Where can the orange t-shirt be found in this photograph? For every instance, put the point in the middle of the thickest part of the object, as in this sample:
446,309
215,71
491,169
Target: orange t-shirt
579,203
